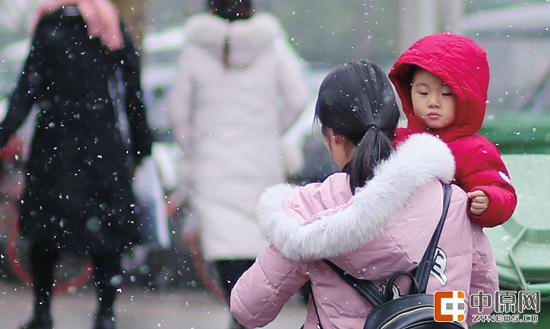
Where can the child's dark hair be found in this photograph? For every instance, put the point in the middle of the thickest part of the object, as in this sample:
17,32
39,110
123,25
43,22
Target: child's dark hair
356,100
411,72
231,9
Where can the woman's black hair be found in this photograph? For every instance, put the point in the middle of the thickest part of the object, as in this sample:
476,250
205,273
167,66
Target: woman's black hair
357,101
231,9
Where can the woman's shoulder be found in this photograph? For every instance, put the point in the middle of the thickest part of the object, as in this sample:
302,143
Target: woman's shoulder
205,29
309,200
261,24
430,196
201,21
264,21
334,192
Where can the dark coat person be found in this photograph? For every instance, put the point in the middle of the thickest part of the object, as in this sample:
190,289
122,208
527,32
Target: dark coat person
78,193
79,172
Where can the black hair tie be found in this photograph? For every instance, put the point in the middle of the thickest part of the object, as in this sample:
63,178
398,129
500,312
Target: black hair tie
369,126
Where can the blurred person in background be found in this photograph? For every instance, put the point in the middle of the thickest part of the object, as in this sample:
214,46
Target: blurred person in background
78,193
234,70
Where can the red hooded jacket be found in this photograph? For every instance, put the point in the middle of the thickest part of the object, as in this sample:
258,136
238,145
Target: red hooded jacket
463,66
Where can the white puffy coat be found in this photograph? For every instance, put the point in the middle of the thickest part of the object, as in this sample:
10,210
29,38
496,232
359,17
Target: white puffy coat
229,119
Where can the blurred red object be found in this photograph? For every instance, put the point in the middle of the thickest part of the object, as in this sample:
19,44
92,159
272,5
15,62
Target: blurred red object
13,149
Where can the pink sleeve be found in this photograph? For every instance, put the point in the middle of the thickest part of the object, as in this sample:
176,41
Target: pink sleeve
486,171
262,291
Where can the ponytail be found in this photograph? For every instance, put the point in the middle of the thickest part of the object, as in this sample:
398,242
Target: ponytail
373,148
226,51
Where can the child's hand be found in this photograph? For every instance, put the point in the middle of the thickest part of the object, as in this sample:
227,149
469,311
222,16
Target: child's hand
480,202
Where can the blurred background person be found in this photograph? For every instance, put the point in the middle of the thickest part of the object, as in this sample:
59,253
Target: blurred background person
234,70
78,194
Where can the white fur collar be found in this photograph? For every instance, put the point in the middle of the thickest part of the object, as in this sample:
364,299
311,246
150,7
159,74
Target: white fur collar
417,161
247,38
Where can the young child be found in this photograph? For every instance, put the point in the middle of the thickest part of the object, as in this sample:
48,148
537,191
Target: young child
373,219
442,81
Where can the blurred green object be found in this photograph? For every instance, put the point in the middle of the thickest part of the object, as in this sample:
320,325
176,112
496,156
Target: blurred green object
519,132
522,245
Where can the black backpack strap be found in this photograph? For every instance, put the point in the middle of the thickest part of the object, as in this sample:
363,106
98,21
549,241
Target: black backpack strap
390,283
365,288
370,292
426,264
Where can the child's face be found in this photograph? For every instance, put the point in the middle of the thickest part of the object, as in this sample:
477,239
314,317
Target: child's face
433,101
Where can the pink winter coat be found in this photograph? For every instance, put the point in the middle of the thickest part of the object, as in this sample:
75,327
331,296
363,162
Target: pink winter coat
383,228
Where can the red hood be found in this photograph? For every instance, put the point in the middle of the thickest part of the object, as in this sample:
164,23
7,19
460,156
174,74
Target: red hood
462,65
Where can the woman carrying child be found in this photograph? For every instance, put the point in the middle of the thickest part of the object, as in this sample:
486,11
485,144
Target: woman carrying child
374,218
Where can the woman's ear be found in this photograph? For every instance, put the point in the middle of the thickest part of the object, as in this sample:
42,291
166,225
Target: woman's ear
337,138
